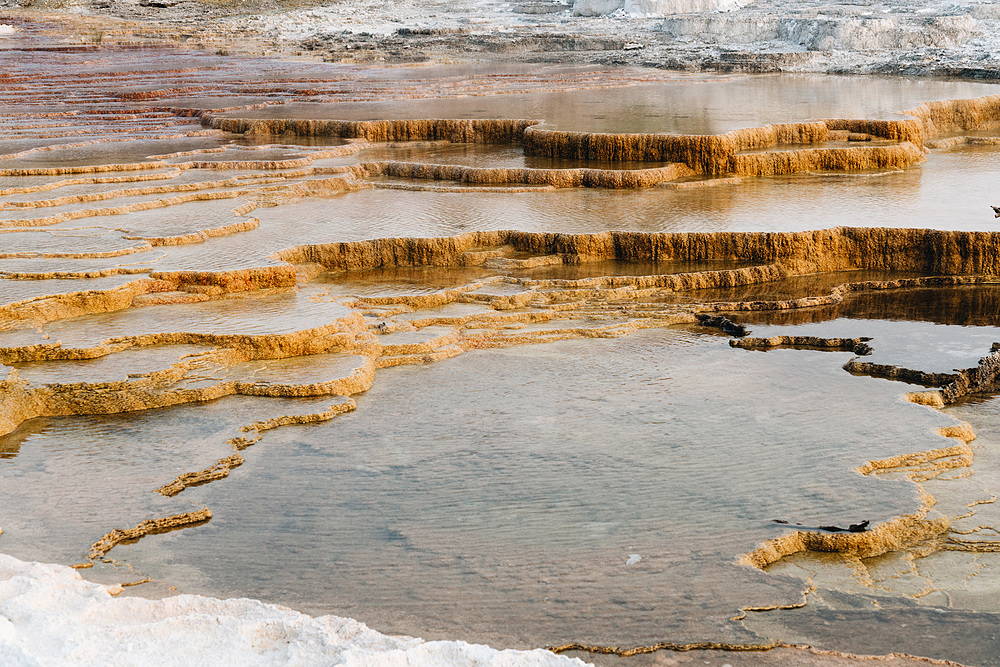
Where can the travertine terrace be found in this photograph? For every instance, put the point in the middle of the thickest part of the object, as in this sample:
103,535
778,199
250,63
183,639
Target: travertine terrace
163,243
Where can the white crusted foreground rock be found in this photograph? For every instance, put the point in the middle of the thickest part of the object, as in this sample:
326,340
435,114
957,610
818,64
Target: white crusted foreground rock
49,615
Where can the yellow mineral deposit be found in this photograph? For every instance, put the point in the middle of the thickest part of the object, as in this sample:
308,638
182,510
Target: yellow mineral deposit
559,178
118,536
856,345
464,131
895,534
708,154
785,254
383,330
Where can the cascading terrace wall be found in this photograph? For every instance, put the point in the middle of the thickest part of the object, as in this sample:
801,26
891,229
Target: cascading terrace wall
921,250
704,154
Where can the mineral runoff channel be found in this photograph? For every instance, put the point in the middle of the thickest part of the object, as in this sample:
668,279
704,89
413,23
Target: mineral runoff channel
250,352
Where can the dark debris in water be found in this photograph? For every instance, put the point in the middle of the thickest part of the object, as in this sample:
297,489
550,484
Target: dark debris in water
861,527
724,323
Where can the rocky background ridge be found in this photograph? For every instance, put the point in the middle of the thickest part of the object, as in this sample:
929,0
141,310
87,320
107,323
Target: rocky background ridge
897,37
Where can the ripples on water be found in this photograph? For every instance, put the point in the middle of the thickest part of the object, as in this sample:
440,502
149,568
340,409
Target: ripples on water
498,496
944,193
933,330
688,104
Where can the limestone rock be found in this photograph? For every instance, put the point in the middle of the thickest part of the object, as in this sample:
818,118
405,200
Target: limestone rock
655,7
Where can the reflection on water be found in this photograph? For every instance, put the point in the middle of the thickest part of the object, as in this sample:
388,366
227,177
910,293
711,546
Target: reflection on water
501,495
497,496
933,330
693,104
951,190
969,306
410,280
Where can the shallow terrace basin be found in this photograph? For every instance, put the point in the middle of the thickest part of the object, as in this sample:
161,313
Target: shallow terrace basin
607,361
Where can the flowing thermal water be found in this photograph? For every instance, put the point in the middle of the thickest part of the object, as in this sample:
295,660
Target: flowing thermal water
231,369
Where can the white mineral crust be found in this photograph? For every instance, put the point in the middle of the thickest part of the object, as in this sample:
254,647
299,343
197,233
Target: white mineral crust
50,615
863,36
655,7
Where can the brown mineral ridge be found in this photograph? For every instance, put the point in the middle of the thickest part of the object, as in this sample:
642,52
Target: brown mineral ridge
148,527
779,657
703,154
560,178
778,254
842,248
490,131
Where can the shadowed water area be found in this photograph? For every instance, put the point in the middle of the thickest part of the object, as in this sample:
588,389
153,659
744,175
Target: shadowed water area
456,375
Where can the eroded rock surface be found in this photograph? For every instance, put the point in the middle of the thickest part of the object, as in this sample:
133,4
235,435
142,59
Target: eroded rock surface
927,38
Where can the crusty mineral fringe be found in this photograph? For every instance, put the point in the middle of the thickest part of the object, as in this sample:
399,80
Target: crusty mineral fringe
560,178
718,646
86,169
703,153
288,191
240,280
887,536
953,456
257,428
889,372
465,131
220,470
890,535
858,346
981,113
856,158
173,188
702,183
132,250
337,334
200,236
985,377
666,646
55,185
954,255
43,309
892,130
59,306
20,401
149,527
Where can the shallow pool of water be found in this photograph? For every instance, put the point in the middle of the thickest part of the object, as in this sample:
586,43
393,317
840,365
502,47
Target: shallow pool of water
596,490
497,496
689,105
